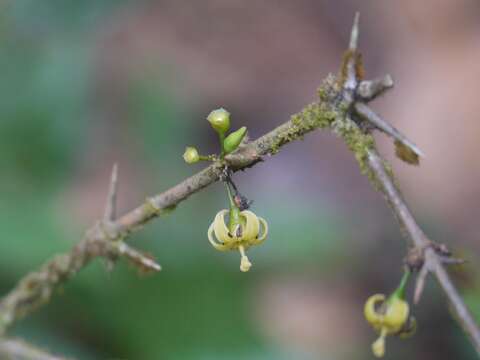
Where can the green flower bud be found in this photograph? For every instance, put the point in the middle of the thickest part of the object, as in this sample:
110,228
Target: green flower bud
220,120
191,155
233,140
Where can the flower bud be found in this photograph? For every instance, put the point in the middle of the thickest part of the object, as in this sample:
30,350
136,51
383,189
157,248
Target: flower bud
233,140
220,120
191,155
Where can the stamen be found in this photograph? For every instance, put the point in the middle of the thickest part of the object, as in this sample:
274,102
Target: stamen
245,264
378,347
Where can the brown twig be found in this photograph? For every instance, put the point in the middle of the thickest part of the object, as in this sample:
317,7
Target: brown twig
432,262
433,254
16,349
144,262
111,203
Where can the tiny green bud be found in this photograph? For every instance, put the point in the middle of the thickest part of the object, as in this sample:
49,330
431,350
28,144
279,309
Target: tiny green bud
191,155
220,120
233,140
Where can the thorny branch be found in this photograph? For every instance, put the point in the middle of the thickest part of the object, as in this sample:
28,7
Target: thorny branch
432,255
341,107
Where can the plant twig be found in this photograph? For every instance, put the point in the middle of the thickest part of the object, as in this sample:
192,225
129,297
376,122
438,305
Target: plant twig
16,349
111,204
382,177
432,261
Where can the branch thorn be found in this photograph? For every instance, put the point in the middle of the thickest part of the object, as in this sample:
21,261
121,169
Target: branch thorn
367,114
145,262
355,31
420,284
111,203
368,90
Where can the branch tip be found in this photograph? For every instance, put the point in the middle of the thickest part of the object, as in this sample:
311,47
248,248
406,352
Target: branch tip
355,32
388,81
420,284
144,262
11,348
111,203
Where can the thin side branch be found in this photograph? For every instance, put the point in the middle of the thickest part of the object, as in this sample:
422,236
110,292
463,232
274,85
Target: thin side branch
111,205
16,349
373,118
382,179
432,261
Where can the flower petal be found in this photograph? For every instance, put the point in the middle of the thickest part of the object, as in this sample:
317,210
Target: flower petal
396,315
252,226
221,230
261,238
214,241
372,316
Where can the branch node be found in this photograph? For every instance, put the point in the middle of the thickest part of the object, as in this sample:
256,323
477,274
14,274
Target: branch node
415,258
418,260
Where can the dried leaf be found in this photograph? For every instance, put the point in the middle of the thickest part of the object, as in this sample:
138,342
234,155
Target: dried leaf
406,154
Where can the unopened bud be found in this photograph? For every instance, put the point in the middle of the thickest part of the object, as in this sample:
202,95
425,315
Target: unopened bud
233,140
191,155
220,120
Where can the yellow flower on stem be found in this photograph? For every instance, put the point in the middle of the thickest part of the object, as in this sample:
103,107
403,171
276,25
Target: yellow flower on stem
241,233
389,316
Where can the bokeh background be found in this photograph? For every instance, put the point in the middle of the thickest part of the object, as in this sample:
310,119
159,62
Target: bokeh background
84,84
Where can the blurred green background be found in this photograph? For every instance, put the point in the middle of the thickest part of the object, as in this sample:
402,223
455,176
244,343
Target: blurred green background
88,83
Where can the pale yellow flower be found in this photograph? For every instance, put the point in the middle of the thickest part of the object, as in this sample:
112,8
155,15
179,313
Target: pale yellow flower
388,317
251,230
